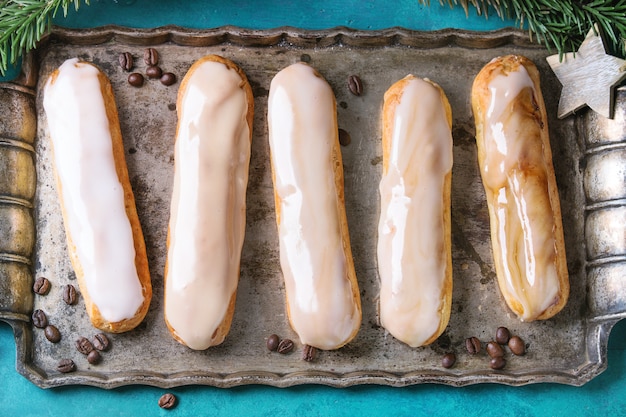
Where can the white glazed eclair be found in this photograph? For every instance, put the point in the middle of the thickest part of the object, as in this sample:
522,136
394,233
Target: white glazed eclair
414,233
515,162
208,207
104,237
322,294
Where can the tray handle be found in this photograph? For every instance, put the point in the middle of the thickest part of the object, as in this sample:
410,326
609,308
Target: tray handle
604,183
18,128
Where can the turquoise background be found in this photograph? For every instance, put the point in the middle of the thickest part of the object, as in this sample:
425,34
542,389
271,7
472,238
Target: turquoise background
603,396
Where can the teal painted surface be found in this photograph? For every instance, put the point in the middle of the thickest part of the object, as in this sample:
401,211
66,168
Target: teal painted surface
322,14
604,396
12,72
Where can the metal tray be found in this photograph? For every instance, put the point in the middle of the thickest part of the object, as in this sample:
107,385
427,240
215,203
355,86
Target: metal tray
589,152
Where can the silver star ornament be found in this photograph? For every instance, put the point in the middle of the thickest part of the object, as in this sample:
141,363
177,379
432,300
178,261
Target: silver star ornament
589,77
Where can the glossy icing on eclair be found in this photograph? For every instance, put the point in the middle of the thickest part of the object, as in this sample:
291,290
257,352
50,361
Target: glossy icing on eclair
207,217
514,173
321,289
413,232
91,193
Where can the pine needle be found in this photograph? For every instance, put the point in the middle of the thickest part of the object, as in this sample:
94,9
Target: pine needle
559,24
23,23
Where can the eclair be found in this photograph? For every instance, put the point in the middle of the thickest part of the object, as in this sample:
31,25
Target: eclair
104,237
414,234
322,293
515,161
208,207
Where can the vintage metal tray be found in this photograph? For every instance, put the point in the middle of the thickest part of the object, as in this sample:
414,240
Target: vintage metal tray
589,160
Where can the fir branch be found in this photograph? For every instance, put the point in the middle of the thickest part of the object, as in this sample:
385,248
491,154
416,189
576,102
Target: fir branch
557,23
23,23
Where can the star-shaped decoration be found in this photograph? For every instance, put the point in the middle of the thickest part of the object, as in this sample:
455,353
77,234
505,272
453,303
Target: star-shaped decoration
589,77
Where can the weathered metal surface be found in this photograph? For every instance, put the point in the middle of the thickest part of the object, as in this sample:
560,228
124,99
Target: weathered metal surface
570,348
17,191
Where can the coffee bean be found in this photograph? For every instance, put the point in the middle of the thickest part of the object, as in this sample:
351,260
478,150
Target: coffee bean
355,85
167,401
135,79
83,345
168,78
101,342
39,319
272,342
285,346
52,333
344,138
69,295
309,353
448,361
66,365
497,363
473,345
503,335
153,72
151,56
517,346
94,357
494,350
126,61
41,286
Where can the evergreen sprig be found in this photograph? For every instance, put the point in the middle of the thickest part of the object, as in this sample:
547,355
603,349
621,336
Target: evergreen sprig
23,23
558,23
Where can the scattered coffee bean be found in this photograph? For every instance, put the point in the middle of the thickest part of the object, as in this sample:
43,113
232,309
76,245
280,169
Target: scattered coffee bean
39,319
168,78
41,286
69,295
52,333
503,335
272,342
309,353
135,79
285,346
344,138
448,361
355,85
101,342
517,346
94,357
151,57
473,345
83,345
154,72
66,365
167,401
497,363
494,350
126,61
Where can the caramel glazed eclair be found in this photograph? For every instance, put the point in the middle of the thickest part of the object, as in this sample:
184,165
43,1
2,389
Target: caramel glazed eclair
104,237
208,206
515,163
414,233
322,294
